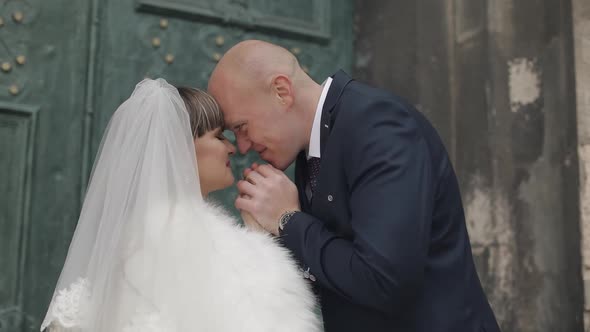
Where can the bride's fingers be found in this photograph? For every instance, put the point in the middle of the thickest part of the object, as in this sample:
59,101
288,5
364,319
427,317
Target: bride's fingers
251,223
246,172
246,188
254,177
252,167
266,170
244,204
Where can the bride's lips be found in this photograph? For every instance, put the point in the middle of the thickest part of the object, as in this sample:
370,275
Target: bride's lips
228,164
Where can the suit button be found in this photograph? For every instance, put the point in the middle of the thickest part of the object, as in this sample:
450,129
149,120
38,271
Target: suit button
330,198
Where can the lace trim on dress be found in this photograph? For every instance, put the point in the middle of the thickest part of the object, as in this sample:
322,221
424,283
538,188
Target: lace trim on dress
67,307
67,312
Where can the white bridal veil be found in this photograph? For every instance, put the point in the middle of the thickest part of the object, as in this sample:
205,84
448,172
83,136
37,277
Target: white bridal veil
145,172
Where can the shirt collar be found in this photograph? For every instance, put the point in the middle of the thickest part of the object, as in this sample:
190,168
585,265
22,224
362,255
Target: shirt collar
314,149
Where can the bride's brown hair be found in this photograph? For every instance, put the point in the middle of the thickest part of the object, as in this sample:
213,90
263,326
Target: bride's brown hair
203,110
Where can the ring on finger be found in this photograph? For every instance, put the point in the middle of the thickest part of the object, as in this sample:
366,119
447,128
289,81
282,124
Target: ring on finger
249,179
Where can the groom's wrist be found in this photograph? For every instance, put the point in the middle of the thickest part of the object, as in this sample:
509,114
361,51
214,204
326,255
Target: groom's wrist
285,219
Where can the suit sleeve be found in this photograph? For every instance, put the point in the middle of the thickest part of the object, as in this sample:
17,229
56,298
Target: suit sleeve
388,169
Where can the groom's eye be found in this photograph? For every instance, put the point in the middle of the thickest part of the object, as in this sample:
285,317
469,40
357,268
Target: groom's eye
240,128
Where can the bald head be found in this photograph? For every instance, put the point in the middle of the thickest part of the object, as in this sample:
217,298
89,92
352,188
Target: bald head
267,100
254,62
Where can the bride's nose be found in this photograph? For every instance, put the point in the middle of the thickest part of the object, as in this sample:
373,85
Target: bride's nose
231,149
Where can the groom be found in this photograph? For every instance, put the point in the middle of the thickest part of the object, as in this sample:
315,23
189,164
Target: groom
375,218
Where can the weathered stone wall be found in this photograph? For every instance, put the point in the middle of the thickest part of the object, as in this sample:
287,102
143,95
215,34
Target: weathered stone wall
581,23
497,80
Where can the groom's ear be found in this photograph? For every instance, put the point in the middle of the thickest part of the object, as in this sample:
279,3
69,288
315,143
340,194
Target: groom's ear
282,89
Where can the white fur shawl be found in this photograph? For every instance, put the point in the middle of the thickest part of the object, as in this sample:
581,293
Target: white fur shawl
211,275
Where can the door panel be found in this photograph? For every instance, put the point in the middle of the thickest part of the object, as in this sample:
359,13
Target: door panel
43,62
307,18
65,66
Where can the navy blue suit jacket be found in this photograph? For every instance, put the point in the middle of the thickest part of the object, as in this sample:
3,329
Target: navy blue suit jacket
385,233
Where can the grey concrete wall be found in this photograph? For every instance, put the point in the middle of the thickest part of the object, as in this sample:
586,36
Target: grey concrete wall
581,18
497,80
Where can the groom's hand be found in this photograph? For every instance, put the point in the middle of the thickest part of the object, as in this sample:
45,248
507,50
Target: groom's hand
267,193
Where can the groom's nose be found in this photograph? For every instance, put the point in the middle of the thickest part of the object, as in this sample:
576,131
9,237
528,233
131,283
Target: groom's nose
244,144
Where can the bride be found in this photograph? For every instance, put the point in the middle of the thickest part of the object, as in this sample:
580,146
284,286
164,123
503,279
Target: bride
150,254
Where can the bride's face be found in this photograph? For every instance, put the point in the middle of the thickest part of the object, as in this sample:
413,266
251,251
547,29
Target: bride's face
213,151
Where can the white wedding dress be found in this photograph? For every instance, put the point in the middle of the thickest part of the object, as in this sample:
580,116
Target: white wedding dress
149,254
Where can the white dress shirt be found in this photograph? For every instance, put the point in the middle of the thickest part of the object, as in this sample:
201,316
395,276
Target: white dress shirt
314,149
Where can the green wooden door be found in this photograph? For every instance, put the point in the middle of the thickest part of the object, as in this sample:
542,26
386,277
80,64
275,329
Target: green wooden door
65,66
43,62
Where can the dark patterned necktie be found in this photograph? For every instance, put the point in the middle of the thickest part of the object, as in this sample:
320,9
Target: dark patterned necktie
313,170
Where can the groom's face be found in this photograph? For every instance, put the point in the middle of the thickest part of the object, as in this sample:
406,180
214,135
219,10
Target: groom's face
262,124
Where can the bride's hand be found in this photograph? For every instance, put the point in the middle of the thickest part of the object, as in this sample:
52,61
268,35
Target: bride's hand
251,223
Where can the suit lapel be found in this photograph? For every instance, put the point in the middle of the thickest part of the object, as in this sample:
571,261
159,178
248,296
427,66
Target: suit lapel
339,81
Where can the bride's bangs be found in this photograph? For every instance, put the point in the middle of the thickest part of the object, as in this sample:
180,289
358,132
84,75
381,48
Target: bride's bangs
203,111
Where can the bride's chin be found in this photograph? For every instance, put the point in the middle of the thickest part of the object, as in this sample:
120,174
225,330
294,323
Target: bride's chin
230,182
